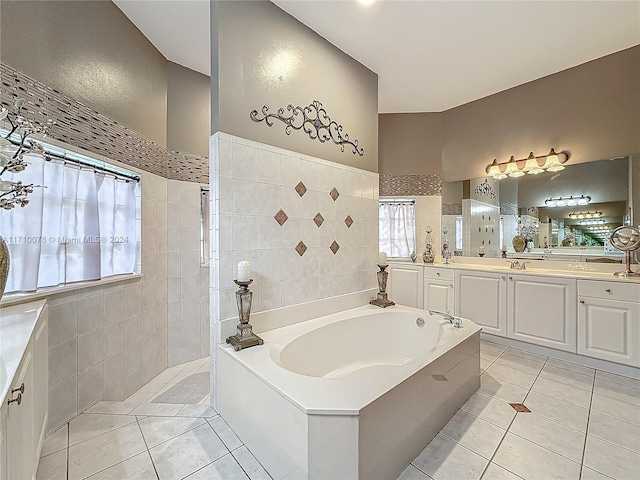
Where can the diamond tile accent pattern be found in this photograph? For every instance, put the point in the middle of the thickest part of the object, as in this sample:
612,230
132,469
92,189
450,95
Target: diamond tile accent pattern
281,217
318,219
348,221
301,189
301,248
334,194
334,247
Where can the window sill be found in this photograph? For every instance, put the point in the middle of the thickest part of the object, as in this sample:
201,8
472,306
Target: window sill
16,298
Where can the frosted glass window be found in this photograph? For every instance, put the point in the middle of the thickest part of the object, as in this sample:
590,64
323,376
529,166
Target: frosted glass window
397,224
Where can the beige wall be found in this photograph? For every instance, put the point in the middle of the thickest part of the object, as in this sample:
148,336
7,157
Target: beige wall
592,111
635,189
188,110
410,143
252,41
90,51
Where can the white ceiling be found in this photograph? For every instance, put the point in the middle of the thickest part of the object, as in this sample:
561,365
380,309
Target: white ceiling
429,55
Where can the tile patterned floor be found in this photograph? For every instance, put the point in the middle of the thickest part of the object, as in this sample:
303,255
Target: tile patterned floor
584,424
184,383
124,440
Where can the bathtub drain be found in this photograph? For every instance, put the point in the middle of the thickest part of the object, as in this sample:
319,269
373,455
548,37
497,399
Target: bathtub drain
420,322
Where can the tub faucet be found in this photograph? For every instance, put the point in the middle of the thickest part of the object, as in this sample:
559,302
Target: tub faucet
453,320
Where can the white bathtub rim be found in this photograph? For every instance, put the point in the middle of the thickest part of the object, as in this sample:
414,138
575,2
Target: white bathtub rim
336,396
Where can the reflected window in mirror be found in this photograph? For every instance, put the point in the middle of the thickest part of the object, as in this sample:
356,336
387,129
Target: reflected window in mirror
397,226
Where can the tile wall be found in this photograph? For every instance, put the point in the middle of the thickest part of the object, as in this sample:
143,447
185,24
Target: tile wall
188,287
481,226
309,227
105,342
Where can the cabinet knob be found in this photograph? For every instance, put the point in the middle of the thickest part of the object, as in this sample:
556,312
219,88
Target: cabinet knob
19,389
438,273
510,278
582,301
451,285
608,290
504,277
17,400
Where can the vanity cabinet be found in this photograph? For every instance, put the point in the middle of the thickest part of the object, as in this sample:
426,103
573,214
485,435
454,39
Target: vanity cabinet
25,357
405,284
609,321
439,289
542,310
482,298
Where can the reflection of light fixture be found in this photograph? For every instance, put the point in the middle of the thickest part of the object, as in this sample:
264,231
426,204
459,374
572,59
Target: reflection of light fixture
568,201
592,222
553,162
585,215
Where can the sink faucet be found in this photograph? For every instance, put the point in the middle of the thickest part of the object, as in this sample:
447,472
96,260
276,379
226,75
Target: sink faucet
453,320
516,265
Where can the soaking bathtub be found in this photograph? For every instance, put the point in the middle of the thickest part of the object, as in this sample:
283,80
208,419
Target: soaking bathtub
352,395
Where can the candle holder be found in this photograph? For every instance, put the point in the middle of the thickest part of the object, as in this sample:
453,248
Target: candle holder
481,254
381,299
504,253
245,337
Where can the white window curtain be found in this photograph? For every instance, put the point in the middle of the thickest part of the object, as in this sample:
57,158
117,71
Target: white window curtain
397,221
81,227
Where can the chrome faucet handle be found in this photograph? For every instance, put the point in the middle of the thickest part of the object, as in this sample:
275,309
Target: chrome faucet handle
515,265
523,265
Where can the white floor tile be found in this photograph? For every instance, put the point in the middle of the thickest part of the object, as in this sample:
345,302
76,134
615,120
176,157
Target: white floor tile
627,412
496,472
444,459
53,467
187,453
549,434
520,363
141,396
572,367
226,434
500,389
526,355
157,409
558,410
531,461
628,381
157,430
489,355
615,431
196,411
167,376
98,453
617,391
87,426
511,375
611,460
112,408
486,345
138,467
225,468
588,474
249,464
474,433
55,442
412,473
568,377
491,409
567,393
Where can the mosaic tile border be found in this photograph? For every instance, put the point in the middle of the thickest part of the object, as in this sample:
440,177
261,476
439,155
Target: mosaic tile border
451,209
509,208
394,185
80,126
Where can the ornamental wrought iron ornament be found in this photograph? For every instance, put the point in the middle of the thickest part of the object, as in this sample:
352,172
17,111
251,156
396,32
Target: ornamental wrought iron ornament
485,189
313,120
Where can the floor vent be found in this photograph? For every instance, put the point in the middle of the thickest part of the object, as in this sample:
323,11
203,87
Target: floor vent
520,407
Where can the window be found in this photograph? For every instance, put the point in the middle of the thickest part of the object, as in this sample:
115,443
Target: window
205,226
397,221
82,226
459,233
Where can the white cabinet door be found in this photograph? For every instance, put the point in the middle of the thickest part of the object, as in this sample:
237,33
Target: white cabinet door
21,457
481,297
41,381
542,310
405,285
610,330
438,295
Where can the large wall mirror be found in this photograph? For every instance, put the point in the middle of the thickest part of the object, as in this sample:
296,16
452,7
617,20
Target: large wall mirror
557,215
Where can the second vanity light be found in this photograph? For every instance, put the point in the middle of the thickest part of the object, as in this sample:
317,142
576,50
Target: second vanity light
553,162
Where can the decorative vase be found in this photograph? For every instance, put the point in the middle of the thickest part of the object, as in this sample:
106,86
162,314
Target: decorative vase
519,243
428,256
4,265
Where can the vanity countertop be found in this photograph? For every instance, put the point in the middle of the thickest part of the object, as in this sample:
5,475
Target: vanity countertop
17,324
577,270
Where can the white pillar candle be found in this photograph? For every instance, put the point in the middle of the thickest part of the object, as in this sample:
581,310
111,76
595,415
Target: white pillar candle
382,258
244,271
481,249
504,247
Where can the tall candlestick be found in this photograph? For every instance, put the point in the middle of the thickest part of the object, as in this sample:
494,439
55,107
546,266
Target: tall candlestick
481,249
244,271
382,258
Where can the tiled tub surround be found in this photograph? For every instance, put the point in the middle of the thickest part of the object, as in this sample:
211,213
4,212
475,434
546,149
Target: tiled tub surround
188,280
371,377
309,227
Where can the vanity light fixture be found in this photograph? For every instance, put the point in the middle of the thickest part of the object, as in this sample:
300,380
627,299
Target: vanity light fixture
568,202
553,162
592,222
585,215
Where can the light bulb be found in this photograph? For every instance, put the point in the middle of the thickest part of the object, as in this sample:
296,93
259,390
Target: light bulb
531,165
494,170
572,202
511,168
584,200
552,163
561,202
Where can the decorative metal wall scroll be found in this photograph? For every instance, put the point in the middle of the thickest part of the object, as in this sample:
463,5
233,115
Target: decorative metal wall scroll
313,120
485,189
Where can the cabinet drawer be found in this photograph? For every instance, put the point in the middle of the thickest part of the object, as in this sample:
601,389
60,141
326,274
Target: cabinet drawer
439,273
611,290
